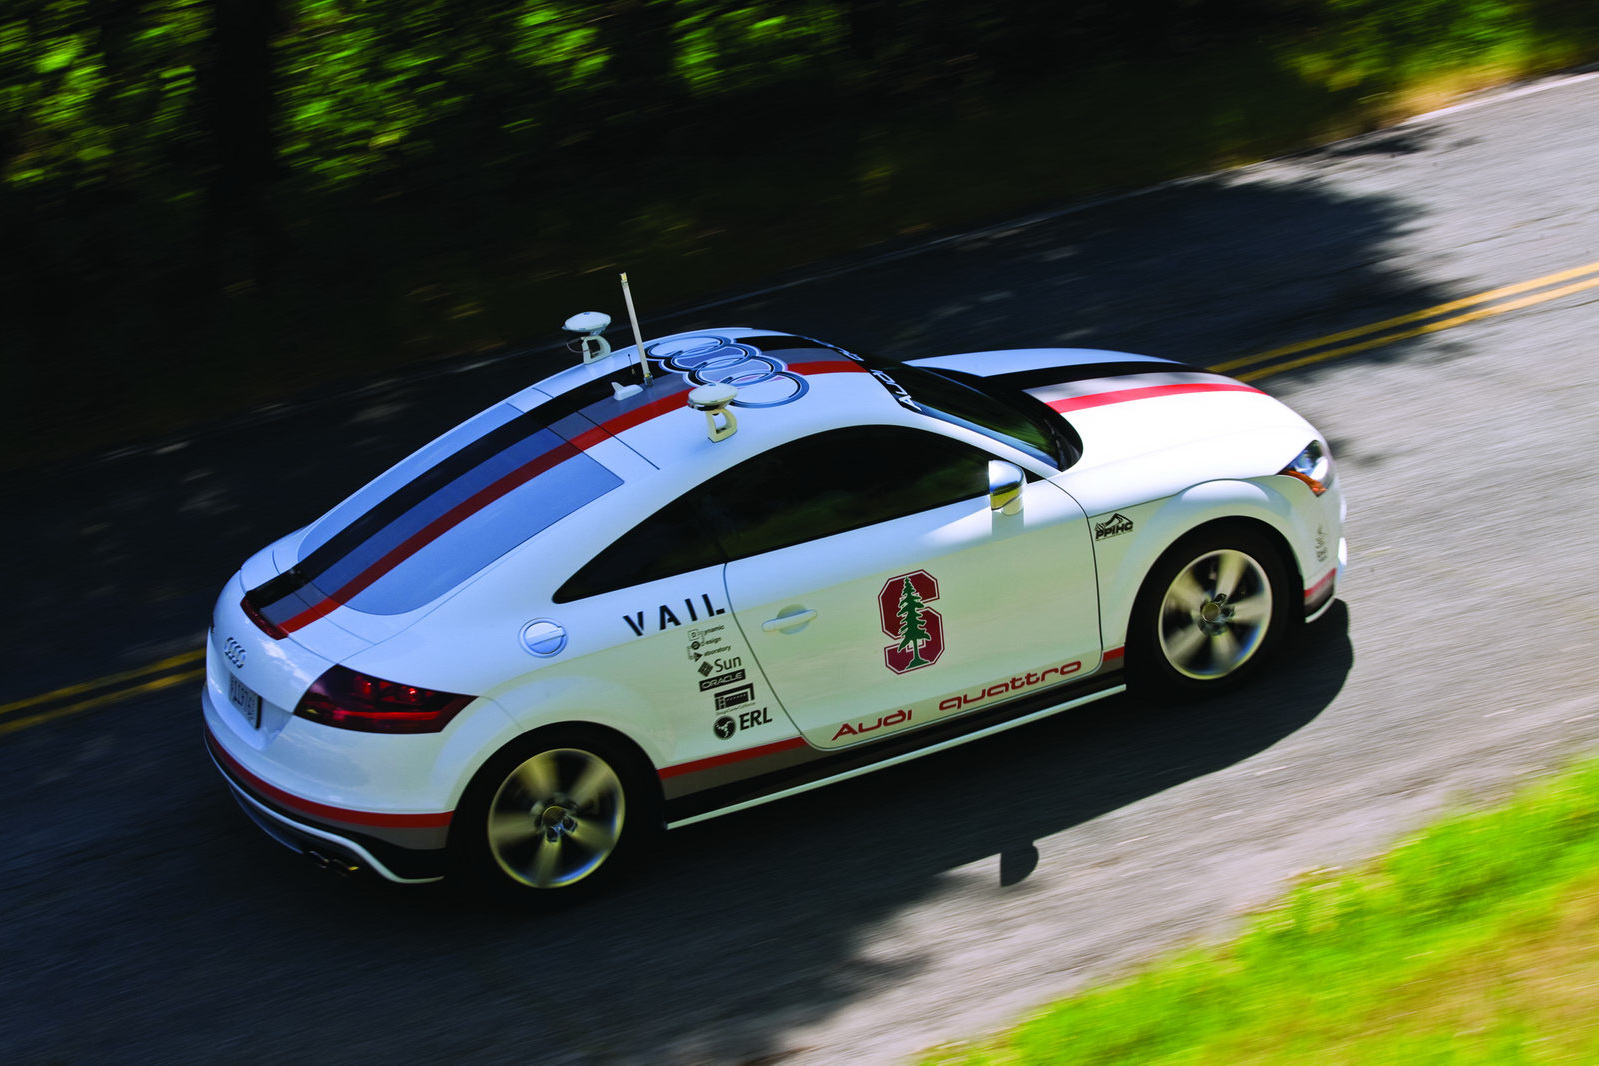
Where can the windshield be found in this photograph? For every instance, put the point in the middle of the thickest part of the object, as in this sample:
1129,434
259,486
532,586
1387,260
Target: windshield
1006,414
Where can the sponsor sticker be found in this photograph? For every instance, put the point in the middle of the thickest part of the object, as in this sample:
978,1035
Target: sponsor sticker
729,678
720,663
917,629
1114,526
729,725
735,696
705,642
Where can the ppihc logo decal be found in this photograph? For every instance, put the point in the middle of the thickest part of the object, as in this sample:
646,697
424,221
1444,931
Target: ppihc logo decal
1114,526
917,629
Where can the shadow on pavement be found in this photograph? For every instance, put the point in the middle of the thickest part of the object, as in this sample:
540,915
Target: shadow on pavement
746,928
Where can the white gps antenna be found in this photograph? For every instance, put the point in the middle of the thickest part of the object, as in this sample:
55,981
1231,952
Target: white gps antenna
713,400
591,324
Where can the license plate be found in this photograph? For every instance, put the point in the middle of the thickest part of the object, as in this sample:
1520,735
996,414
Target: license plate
248,703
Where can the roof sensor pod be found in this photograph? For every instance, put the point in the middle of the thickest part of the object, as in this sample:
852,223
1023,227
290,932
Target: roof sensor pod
713,401
591,324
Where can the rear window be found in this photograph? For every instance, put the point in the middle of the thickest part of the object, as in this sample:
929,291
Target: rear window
445,513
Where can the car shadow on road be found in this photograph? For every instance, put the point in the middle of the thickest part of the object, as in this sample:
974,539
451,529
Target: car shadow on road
751,926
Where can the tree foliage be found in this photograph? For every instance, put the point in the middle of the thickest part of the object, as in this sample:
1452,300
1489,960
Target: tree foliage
135,93
98,93
318,181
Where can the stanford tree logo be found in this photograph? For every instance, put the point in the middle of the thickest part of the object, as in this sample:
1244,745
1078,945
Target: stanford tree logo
917,629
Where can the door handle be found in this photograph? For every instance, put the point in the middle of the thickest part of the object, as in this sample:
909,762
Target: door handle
784,622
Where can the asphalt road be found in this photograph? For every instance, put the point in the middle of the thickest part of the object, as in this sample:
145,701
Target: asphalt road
145,920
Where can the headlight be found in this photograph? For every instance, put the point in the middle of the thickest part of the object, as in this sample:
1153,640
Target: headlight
1313,466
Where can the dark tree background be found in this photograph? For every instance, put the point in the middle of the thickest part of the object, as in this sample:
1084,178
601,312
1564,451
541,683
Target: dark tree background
325,187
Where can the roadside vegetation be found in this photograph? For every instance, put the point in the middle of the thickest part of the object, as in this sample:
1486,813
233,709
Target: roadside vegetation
1475,942
208,205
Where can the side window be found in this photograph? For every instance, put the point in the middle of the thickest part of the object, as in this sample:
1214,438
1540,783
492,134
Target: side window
834,482
671,541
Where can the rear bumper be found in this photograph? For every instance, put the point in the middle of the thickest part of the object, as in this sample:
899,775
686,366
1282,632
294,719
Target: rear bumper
330,844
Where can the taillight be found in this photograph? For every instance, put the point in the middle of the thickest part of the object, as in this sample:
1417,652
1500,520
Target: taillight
350,700
253,613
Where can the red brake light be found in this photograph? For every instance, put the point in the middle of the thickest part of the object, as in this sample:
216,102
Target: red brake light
350,700
253,613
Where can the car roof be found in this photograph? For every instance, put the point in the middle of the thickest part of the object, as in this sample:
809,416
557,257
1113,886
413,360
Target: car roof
441,515
787,385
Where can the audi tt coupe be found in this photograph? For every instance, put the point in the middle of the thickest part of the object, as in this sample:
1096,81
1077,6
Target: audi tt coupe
642,593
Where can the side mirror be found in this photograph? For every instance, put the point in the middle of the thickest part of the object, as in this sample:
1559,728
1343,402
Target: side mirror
1005,481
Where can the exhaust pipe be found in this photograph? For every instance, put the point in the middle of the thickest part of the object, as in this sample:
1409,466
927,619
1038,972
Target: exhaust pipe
342,867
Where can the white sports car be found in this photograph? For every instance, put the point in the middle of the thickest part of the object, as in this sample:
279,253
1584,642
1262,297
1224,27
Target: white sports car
614,602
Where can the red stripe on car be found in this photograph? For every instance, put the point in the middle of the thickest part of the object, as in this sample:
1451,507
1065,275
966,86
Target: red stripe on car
1099,399
323,810
1318,586
481,499
827,366
731,757
1114,654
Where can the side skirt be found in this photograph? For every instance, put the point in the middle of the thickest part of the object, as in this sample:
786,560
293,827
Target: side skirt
853,762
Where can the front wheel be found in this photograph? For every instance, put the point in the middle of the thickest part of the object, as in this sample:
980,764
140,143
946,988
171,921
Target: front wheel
1210,612
555,816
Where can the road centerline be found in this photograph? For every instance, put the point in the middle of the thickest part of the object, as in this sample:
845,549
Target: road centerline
153,677
171,662
1418,316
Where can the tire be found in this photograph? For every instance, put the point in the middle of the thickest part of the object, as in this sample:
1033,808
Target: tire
1210,613
555,817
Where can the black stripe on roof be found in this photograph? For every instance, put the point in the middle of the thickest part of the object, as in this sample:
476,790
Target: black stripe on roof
1059,375
425,484
785,343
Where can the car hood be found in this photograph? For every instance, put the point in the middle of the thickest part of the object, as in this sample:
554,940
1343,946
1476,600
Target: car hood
1146,419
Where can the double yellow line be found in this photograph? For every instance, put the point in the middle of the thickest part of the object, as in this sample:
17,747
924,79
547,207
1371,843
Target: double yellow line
1415,324
181,669
102,691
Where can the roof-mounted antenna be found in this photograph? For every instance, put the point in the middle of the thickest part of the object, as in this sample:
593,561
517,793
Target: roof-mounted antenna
590,324
638,338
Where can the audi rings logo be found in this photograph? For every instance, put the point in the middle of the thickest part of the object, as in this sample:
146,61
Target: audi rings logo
761,380
233,652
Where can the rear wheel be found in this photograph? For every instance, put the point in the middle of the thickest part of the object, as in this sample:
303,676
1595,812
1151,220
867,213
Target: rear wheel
1210,612
556,816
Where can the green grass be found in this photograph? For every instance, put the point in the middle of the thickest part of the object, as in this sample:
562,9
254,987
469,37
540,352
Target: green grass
1475,942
